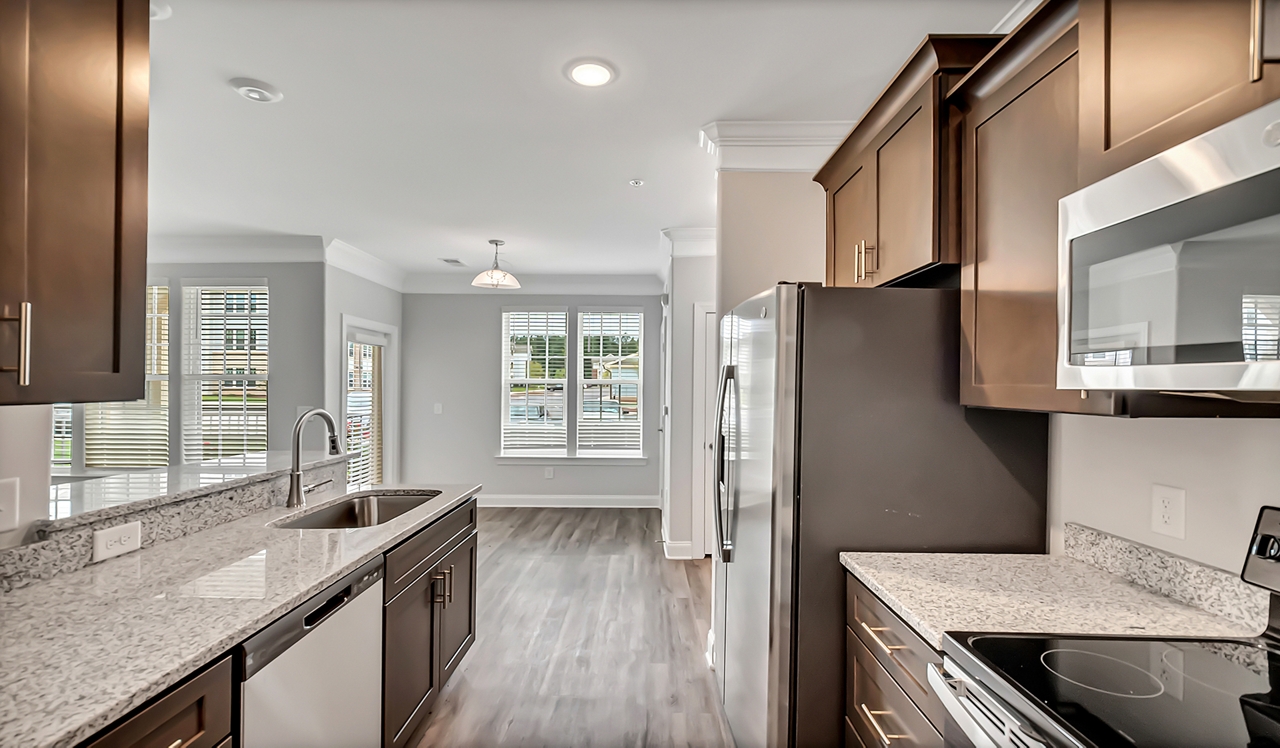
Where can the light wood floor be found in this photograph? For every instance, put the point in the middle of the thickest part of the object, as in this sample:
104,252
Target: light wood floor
587,636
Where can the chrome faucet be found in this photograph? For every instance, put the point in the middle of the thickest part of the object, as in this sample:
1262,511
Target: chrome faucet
297,493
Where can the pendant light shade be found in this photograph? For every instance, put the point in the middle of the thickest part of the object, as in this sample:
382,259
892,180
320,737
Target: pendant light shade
496,277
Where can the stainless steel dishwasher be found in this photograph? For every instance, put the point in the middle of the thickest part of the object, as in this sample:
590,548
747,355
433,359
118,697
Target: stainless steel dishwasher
313,678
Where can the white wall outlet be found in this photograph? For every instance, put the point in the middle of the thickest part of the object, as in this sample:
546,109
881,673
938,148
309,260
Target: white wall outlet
1167,664
117,540
548,473
1169,511
9,504
439,408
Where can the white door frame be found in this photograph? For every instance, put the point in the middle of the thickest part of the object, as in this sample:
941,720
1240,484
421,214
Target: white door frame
706,373
390,390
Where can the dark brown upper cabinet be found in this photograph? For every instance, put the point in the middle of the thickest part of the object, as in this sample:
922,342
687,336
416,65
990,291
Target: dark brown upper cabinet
890,184
1154,73
1018,118
73,199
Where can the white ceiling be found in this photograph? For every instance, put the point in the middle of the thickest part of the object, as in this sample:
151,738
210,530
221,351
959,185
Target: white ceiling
417,130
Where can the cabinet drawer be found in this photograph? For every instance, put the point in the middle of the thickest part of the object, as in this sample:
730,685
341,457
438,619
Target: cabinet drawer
881,713
895,646
411,558
195,715
851,739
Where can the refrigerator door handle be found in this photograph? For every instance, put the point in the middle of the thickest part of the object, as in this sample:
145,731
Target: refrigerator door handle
725,548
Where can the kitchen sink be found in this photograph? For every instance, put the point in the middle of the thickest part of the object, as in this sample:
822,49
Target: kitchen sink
363,509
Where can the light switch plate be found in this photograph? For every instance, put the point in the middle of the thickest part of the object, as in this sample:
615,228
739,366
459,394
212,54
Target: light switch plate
439,408
549,473
115,541
1169,511
9,504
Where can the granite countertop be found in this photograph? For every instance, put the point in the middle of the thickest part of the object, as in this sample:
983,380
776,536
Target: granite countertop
81,500
82,649
1021,593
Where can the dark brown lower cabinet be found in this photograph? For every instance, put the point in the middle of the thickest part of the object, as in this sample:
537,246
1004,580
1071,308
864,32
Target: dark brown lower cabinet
195,714
429,620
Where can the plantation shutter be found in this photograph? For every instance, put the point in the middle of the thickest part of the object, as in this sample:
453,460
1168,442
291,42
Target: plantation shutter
136,433
535,368
225,353
609,420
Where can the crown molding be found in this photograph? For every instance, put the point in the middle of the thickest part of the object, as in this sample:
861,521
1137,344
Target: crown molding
689,242
356,261
1016,15
772,146
579,285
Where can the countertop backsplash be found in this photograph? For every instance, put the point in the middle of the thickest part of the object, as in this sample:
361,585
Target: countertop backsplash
1207,588
66,545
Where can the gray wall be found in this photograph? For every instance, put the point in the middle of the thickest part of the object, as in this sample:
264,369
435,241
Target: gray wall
1101,471
452,356
295,361
347,293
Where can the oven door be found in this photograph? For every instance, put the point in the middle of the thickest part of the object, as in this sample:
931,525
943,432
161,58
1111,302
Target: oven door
1169,271
977,718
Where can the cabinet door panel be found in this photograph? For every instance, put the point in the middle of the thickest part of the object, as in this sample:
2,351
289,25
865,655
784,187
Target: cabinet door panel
74,196
458,618
906,200
853,209
410,668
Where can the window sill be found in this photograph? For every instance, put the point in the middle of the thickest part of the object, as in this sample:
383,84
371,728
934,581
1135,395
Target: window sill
580,460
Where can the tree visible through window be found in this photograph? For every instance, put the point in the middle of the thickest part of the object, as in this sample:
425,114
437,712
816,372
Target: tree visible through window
225,342
609,406
535,369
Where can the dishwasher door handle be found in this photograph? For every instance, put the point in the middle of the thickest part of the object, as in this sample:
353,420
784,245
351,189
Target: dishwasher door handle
326,609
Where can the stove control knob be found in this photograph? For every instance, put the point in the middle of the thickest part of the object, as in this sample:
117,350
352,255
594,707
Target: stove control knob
1266,546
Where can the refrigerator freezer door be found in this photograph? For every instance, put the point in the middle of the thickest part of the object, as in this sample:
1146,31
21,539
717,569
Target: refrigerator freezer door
749,336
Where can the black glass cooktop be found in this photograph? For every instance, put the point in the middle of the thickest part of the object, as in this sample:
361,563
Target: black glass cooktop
1146,692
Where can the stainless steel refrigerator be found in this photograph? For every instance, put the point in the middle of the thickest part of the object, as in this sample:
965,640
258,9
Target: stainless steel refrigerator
840,428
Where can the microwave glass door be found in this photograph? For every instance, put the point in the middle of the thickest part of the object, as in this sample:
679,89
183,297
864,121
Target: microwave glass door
1194,282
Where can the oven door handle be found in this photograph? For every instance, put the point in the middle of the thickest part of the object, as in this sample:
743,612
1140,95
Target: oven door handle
972,707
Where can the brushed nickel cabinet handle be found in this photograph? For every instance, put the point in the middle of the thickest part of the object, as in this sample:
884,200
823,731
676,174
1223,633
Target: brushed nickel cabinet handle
885,738
449,583
872,632
1256,32
177,743
441,598
23,369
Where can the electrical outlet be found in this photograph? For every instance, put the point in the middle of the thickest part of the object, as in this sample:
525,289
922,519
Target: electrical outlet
1168,664
548,473
115,541
1169,511
9,504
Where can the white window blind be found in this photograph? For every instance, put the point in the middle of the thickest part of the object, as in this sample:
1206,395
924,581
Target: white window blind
1261,330
225,344
136,433
364,414
609,404
535,368
63,438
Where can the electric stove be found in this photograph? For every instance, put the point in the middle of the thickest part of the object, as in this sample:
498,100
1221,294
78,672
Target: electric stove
1033,690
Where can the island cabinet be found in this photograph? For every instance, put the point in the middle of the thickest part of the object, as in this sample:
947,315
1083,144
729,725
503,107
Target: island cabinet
890,183
1154,73
429,620
73,199
887,697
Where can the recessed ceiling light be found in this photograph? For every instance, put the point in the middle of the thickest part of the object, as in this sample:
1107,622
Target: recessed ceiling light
636,183
255,90
160,10
591,73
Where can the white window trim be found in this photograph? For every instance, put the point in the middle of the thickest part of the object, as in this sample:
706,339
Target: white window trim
572,396
353,326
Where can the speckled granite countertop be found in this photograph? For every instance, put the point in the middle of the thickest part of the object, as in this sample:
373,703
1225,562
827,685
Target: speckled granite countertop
84,648
940,592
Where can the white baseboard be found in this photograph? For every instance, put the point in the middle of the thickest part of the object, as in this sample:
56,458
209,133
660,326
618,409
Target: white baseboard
678,550
575,502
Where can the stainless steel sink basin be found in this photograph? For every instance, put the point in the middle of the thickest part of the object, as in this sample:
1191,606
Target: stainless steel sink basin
364,509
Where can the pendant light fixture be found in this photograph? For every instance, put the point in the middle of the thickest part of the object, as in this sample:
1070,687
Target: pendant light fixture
496,277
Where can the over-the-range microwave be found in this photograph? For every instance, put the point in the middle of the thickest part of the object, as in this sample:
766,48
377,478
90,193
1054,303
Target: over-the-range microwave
1169,271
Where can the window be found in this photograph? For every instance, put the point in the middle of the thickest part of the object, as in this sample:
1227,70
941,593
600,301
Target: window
364,413
1261,330
225,338
131,434
609,405
535,368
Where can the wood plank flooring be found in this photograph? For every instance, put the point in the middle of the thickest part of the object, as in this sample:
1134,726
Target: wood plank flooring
587,635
